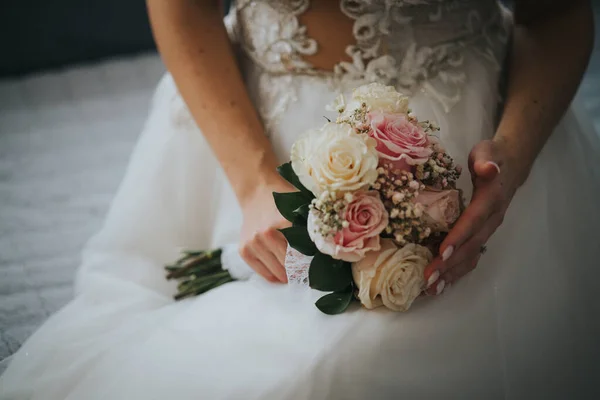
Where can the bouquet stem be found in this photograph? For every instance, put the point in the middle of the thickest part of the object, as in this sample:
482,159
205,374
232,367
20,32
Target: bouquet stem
198,272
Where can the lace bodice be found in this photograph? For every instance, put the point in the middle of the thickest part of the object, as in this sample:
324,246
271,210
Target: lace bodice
410,44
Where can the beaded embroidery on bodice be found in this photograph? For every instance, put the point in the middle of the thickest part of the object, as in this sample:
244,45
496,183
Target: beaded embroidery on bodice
410,44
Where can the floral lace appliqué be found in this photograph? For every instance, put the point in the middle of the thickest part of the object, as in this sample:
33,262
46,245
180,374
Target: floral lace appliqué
419,44
272,36
413,45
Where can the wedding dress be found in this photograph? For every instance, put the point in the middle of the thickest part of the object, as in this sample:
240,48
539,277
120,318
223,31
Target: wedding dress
524,324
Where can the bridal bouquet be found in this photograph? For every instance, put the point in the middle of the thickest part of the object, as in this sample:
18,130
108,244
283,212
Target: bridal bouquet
376,196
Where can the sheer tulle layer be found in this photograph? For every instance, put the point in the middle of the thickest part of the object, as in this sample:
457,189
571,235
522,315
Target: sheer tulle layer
521,326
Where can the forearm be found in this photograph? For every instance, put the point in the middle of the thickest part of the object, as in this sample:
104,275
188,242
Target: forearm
194,45
549,56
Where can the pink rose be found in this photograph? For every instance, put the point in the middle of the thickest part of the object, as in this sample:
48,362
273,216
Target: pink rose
364,219
399,141
441,208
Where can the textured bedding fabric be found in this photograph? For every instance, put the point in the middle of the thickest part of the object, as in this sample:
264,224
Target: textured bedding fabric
65,138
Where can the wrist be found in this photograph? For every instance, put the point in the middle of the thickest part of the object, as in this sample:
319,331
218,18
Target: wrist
265,180
248,190
257,171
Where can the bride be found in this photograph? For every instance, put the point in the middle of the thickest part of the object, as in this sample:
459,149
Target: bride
522,325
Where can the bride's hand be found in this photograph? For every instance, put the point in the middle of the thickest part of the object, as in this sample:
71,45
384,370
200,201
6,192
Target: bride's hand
262,246
494,185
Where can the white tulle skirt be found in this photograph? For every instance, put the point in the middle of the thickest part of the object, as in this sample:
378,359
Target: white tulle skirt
523,325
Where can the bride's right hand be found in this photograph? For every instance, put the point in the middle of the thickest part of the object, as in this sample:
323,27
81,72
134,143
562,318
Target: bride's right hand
262,246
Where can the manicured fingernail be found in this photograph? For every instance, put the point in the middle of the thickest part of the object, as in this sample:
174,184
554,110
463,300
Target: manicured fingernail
434,277
494,165
440,287
447,253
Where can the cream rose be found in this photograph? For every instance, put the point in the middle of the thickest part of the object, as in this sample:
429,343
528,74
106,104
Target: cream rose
381,98
335,158
391,277
376,98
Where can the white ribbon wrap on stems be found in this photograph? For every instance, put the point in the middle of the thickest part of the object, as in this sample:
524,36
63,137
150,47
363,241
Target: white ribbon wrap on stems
296,265
233,262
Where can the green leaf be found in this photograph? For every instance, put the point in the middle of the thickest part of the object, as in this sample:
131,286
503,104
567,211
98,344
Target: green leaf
301,216
297,237
302,211
327,274
288,203
194,253
299,222
287,172
335,303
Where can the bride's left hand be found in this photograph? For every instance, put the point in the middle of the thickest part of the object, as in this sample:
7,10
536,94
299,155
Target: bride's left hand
494,185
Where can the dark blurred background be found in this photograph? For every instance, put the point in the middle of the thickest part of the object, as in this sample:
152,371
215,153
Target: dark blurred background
41,34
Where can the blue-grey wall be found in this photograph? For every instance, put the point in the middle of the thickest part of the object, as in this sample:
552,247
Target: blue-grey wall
42,34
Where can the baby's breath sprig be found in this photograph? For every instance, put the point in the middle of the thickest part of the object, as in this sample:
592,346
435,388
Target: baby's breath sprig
357,120
440,171
329,210
398,189
428,126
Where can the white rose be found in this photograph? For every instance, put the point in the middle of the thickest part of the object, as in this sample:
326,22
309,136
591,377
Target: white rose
382,98
335,158
391,277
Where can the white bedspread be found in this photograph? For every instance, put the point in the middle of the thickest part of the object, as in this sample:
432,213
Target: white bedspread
65,137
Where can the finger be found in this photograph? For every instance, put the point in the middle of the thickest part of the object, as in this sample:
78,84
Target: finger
455,274
459,264
254,262
472,247
268,258
487,170
484,161
438,266
451,276
437,288
434,284
432,272
469,223
462,262
276,242
464,255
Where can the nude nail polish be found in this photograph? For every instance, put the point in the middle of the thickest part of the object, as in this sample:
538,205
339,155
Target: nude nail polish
440,287
495,165
447,253
432,278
